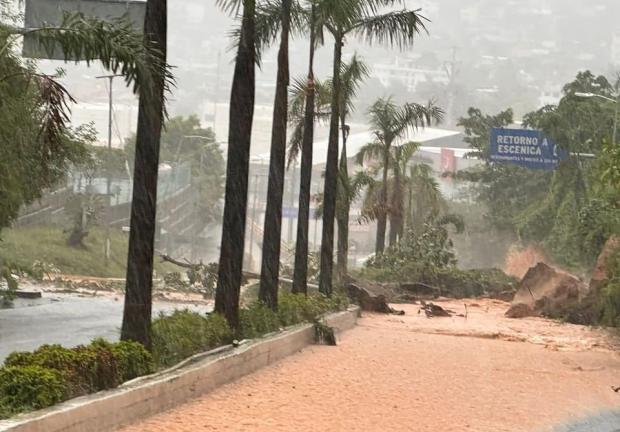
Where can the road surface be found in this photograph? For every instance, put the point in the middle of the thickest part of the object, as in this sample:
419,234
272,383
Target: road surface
65,319
483,373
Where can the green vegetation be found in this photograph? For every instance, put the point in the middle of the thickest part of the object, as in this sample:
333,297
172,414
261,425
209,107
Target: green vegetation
183,334
23,247
51,374
609,300
427,257
183,140
572,211
180,335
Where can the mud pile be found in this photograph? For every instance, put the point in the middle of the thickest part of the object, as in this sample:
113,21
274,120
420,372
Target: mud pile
544,291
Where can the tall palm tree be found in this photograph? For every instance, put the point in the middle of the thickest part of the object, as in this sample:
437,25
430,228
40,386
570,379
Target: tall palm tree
390,124
270,268
142,61
237,166
300,273
341,18
351,76
138,292
398,188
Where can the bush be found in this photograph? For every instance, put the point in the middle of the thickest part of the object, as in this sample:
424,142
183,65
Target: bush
257,320
81,370
295,309
184,333
24,388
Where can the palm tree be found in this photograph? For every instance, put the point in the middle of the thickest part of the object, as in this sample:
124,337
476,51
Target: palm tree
397,186
305,129
425,200
341,18
270,269
397,189
237,167
138,292
142,61
391,123
351,76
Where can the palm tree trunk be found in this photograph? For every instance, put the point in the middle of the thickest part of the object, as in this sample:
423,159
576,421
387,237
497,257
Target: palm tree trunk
331,178
382,217
272,240
138,292
300,275
237,168
343,207
396,209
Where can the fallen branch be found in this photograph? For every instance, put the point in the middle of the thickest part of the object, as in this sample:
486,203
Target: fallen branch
193,266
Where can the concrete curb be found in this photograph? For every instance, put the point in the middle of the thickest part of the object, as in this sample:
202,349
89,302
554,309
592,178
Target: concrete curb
146,396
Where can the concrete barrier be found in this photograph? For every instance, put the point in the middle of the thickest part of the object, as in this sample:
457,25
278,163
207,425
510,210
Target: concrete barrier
146,396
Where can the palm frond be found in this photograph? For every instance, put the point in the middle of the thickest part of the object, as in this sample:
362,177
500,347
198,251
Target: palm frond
398,28
369,152
231,7
402,154
415,116
115,43
352,74
295,143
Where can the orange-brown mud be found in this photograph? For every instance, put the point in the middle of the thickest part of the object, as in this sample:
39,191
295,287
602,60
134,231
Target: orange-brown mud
485,373
520,260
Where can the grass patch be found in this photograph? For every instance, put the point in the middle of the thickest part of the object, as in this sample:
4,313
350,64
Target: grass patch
22,246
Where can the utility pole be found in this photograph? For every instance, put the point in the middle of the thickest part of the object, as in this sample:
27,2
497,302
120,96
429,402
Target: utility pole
108,180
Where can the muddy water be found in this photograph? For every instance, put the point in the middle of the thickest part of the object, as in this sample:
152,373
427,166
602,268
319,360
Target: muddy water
483,373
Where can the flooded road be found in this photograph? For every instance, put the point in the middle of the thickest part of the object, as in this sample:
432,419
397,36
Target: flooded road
483,373
66,319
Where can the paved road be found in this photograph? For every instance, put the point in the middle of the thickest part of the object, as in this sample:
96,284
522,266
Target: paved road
415,374
64,319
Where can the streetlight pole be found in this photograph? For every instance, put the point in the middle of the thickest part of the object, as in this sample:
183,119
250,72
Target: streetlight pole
617,110
108,180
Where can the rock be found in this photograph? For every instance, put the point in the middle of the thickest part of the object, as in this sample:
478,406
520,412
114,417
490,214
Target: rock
420,289
432,310
599,275
506,296
547,292
520,310
369,302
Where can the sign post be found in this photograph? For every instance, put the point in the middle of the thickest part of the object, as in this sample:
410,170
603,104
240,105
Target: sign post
526,148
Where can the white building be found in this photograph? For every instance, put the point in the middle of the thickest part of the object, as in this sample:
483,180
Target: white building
404,70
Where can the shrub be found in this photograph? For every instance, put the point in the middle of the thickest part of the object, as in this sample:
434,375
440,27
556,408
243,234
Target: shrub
25,388
87,369
295,309
257,320
184,333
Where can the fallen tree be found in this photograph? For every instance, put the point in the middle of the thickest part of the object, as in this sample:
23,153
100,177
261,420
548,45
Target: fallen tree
369,302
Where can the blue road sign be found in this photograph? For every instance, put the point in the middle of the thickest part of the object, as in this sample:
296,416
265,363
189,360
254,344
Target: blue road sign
526,148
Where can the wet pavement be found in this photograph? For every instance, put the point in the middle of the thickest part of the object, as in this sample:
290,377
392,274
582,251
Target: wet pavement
66,319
